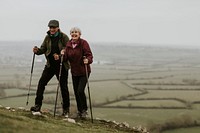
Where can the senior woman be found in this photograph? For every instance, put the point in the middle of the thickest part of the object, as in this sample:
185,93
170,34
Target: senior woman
79,54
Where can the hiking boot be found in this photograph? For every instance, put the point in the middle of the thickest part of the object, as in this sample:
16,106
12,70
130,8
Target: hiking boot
83,114
65,113
36,108
78,114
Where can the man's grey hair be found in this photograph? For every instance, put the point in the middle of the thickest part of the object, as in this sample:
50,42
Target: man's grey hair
75,29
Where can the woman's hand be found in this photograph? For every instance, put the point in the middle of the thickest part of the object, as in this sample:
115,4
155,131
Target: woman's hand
62,52
85,60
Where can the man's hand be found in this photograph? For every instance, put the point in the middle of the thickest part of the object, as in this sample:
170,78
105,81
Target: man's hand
56,56
35,49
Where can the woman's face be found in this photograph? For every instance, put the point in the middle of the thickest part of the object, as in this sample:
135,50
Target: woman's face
75,35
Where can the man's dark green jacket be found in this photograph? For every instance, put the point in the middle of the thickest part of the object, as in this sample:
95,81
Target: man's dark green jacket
45,48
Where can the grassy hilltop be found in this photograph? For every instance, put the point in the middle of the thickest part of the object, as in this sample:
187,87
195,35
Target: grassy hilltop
22,121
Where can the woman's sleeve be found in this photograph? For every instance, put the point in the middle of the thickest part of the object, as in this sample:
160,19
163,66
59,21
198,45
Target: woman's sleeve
87,52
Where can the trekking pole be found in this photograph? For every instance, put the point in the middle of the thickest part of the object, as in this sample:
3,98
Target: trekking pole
30,77
58,84
86,71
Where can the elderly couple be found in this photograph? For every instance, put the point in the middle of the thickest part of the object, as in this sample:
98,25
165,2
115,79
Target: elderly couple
57,43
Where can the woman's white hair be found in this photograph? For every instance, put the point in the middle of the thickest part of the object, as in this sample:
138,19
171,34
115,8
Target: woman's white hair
75,29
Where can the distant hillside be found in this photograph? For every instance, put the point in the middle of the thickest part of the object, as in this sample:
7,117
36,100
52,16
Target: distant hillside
22,121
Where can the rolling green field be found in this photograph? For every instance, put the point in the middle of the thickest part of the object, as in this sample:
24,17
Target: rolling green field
153,88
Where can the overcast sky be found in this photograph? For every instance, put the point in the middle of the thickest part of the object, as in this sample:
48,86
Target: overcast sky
133,21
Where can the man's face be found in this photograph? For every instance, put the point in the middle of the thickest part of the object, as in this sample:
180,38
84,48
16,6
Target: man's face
75,35
53,30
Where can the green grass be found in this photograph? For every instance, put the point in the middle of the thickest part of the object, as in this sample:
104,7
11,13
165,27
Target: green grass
148,103
14,92
21,121
185,95
102,92
144,117
185,130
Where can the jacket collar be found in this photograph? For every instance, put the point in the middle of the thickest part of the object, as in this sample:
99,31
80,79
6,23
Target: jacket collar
78,42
